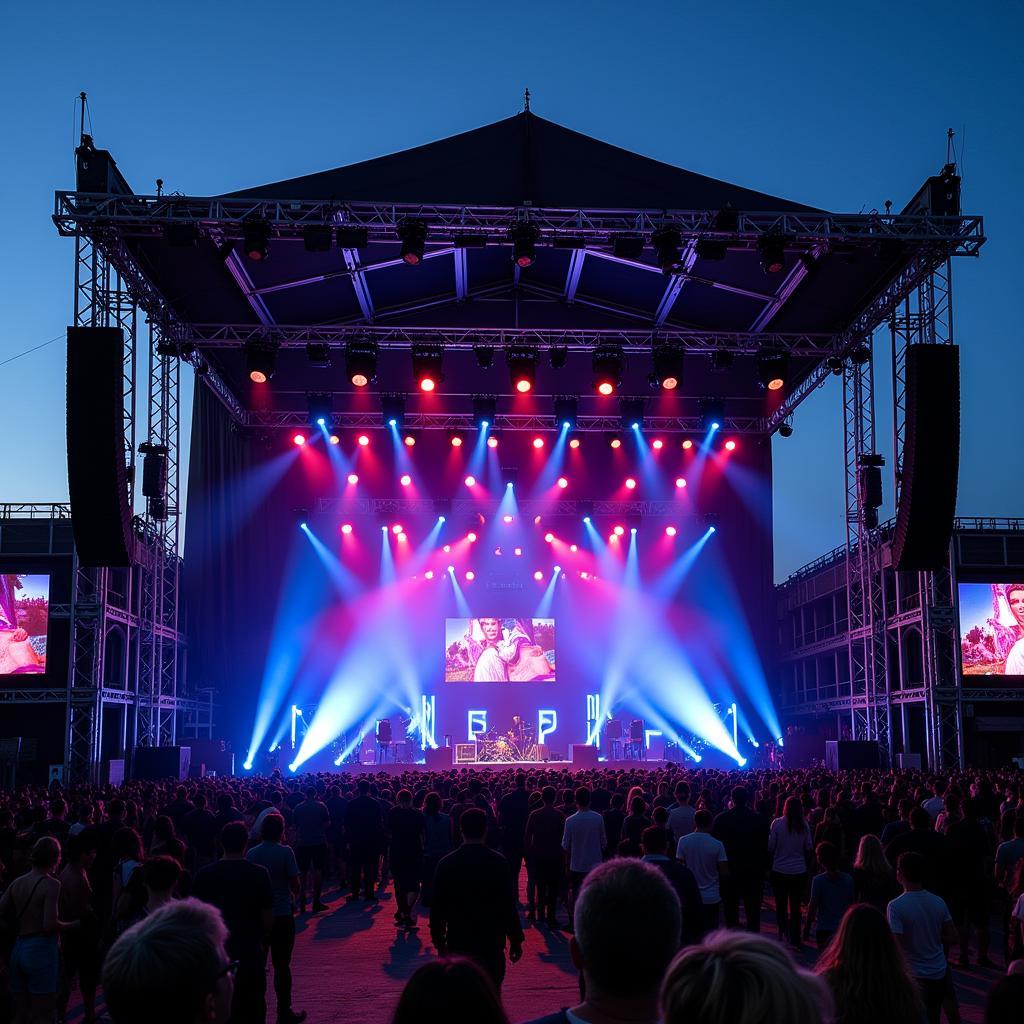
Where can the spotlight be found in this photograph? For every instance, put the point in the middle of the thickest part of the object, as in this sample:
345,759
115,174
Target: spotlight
668,367
397,529
255,236
413,234
518,552
630,483
835,364
666,244
447,549
405,479
555,569
615,441
860,354
772,368
334,439
730,445
470,575
538,442
631,413
657,444
485,411
566,410
471,537
607,364
319,355
785,430
456,441
299,440
392,408
317,237
492,442
507,518
632,531
260,358
586,519
451,568
409,440
574,548
549,538
320,408
687,445
712,413
538,575
671,531
680,482
426,366
524,244
721,360
429,574
771,251
522,366
471,481
363,440
441,519
562,482
361,362
403,538
346,528
353,479
619,531
574,443
484,356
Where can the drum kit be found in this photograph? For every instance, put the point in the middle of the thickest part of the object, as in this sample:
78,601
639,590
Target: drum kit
518,744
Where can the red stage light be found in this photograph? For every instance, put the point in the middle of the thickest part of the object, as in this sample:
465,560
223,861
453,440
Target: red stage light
396,529
574,548
353,479
630,483
775,384
471,537
616,442
523,385
687,445
363,440
538,575
730,445
517,552
670,530
299,439
538,442
346,528
680,482
257,377
507,518
606,387
402,538
574,443
492,442
470,575
429,574
405,480
427,384
409,440
360,380
619,531
335,439
549,537
456,441
447,548
657,444
562,482
471,481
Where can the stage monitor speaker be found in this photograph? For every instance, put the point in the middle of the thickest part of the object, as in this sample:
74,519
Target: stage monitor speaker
931,459
384,731
584,755
844,755
613,730
101,518
155,763
636,731
438,760
656,751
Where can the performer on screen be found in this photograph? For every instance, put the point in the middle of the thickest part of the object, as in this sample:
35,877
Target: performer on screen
17,655
504,652
1015,656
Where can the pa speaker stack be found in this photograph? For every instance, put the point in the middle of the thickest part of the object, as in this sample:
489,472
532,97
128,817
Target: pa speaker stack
101,518
931,458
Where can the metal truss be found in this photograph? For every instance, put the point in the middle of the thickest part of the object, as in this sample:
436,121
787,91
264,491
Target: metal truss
373,507
148,215
34,510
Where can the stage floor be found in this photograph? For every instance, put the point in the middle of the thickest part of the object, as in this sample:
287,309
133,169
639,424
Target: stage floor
398,767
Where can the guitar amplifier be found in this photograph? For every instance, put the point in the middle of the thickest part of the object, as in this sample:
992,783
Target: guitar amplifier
465,753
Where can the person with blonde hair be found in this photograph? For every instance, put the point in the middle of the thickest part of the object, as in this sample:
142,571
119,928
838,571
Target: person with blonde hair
736,977
171,968
874,880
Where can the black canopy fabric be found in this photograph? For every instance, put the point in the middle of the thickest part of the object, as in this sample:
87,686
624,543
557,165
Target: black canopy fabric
523,159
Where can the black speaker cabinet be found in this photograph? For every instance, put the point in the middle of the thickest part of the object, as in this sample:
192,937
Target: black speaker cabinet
154,763
843,755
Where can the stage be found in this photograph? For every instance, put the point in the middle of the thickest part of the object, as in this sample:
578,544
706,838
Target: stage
398,768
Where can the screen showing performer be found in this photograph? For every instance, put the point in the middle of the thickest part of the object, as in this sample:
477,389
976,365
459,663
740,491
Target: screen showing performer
483,650
991,630
24,612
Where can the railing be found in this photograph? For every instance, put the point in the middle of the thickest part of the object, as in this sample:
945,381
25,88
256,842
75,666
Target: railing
34,510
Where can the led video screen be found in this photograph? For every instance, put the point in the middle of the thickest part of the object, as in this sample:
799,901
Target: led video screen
496,650
24,614
991,630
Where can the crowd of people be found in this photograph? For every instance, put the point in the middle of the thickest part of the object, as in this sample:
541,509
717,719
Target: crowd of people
173,902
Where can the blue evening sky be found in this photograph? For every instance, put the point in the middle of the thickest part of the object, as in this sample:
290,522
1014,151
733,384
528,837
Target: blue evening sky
838,106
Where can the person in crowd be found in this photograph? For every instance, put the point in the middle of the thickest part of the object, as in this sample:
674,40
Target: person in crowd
933,847
738,978
744,835
452,989
407,829
166,841
513,811
31,903
936,803
634,823
473,909
830,829
626,931
1004,1000
544,830
789,846
241,891
705,856
680,813
901,825
364,824
437,842
1009,877
171,968
654,843
584,843
311,821
613,819
280,863
874,880
831,896
79,947
867,973
970,848
924,927
199,827
128,855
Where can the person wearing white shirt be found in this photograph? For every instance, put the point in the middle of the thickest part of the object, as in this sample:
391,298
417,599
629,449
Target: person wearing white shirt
936,804
584,841
681,814
790,848
705,856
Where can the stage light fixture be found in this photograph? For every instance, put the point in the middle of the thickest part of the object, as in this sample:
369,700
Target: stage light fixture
607,364
712,413
426,367
772,369
771,251
628,247
785,430
567,409
574,443
631,413
320,406
471,481
559,355
470,575
562,482
524,244
353,479
334,439
447,549
538,575
260,359
522,367
392,409
349,237
860,354
670,530
492,442
619,531
680,482
549,538
574,548
255,236
657,444
363,440
451,569
630,484
346,528
518,552
538,442
397,529
405,479
730,445
485,411
471,537
687,445
403,538
299,440
666,242
668,367
409,440
615,442
721,360
456,441
507,518
317,237
484,356
361,362
413,235
586,519
429,574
